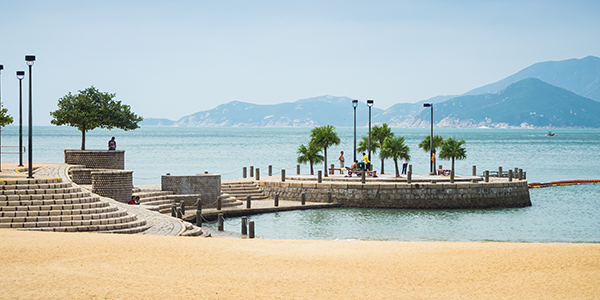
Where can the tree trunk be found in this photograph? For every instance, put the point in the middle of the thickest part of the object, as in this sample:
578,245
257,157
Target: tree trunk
311,168
325,168
83,140
453,166
382,166
397,171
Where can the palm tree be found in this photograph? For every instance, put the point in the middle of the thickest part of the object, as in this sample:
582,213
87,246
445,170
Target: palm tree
324,137
363,145
380,134
453,149
426,145
310,154
395,148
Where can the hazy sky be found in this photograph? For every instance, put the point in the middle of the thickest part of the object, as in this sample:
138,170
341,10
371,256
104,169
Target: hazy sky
173,58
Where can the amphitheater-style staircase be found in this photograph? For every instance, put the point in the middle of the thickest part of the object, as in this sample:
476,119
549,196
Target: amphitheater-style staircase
54,205
242,189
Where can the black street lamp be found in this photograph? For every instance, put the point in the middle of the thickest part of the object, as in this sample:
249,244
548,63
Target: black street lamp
30,59
354,104
370,104
431,166
20,76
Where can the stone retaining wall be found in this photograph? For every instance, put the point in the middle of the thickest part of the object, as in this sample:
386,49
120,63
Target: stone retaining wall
115,184
403,195
83,175
207,185
96,159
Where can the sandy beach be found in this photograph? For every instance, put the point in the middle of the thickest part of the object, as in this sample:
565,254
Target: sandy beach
42,265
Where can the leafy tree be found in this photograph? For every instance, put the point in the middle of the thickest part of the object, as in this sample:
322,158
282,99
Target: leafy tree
363,145
426,145
5,118
380,134
310,154
453,149
324,137
90,109
395,148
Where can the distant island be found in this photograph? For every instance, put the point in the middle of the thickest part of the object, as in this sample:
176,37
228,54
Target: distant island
544,95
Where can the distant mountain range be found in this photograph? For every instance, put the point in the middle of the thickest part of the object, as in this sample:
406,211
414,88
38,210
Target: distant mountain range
547,94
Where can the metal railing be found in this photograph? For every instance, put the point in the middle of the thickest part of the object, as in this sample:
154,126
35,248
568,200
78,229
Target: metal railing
23,150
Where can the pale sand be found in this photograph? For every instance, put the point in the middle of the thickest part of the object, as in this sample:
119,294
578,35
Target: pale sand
40,265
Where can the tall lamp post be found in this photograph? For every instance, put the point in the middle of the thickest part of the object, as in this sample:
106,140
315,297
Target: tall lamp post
430,140
354,104
1,68
370,104
20,76
30,59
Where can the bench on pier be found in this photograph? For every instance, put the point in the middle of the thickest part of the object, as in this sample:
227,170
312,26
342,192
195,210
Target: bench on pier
331,170
444,172
359,173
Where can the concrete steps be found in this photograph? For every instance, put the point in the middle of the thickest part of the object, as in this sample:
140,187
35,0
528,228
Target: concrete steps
53,205
241,190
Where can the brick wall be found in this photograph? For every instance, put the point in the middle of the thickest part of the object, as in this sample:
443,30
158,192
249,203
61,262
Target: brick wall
96,159
114,184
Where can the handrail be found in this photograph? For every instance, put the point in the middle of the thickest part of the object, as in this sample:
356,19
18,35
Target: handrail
23,150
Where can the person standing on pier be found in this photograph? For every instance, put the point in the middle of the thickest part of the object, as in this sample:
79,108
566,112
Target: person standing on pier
404,165
112,144
367,161
341,158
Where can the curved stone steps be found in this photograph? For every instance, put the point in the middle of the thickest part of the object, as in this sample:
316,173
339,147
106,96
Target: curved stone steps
111,218
192,230
241,190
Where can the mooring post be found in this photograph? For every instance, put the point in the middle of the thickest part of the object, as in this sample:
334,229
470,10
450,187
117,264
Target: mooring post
173,210
251,230
303,198
257,174
474,170
409,174
179,214
199,213
220,219
487,176
524,175
244,225
297,169
451,176
520,174
248,201
510,175
319,176
219,202
270,170
363,177
276,200
329,197
251,171
182,206
283,175
499,172
244,169
516,173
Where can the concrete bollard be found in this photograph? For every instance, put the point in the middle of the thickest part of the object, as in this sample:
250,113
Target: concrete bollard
244,169
182,207
329,197
179,214
220,219
363,177
410,168
219,203
257,174
251,171
520,174
320,176
244,225
510,175
303,198
248,201
276,200
451,176
173,210
499,172
251,230
474,170
270,170
199,213
487,176
516,173
283,175
524,175
297,169
409,177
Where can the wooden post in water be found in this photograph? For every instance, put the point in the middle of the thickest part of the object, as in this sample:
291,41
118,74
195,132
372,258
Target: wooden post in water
251,171
244,225
276,200
179,214
270,170
474,170
173,210
248,201
182,206
283,175
319,176
257,174
303,198
487,176
499,172
244,172
510,175
297,169
219,202
220,219
251,230
520,174
199,213
524,175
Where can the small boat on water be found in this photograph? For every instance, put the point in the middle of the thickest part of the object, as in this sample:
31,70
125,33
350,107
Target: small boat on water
550,133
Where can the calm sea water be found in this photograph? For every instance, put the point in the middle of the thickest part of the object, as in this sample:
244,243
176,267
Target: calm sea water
559,214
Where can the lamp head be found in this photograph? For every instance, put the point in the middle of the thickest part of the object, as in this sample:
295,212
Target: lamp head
354,103
29,59
1,67
370,103
20,74
427,104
